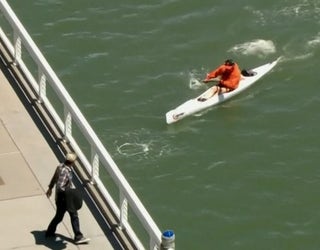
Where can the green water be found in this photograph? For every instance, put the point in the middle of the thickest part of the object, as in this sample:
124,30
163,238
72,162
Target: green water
245,174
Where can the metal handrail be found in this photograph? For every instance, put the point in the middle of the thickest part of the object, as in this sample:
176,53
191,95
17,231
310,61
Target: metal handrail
99,154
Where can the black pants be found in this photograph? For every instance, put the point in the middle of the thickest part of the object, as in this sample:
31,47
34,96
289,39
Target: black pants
61,210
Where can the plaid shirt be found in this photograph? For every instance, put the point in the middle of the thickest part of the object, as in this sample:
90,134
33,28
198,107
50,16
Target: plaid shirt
62,178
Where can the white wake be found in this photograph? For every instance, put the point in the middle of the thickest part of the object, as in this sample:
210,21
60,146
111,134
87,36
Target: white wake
257,47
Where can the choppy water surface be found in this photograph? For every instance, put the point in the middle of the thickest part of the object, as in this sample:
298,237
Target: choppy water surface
243,175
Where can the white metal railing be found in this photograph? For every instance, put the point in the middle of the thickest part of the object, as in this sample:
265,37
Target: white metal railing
72,114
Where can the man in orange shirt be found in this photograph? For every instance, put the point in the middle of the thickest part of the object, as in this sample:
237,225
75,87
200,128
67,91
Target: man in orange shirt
230,76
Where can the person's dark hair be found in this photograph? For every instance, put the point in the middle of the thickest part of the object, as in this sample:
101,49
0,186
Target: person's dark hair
229,62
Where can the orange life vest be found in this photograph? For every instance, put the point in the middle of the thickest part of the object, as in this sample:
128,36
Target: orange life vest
230,75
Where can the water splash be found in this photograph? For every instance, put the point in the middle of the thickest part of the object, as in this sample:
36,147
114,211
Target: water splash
194,83
131,149
315,42
257,47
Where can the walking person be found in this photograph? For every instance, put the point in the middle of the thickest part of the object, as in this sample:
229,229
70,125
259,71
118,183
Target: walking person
62,179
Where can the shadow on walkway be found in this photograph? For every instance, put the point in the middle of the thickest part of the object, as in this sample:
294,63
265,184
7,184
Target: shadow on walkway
54,243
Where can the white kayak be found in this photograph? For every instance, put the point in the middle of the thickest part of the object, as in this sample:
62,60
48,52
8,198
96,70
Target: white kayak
193,106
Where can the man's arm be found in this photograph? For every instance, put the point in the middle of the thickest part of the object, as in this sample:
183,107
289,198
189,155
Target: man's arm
214,74
53,182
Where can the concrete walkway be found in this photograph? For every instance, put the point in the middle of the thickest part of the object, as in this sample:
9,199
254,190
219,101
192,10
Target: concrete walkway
27,163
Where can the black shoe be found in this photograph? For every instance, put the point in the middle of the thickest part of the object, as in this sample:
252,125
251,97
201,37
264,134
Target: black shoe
81,240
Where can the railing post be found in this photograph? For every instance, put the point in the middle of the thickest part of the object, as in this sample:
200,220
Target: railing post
153,244
95,166
123,210
67,125
17,48
167,240
42,85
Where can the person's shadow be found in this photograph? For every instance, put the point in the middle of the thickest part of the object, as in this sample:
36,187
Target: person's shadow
54,243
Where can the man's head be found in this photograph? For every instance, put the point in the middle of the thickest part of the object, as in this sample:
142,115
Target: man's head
70,158
229,62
